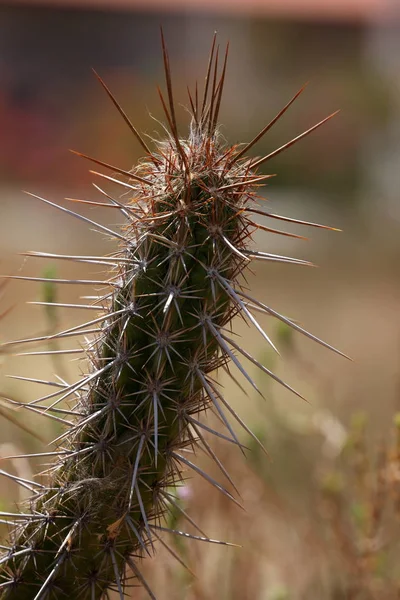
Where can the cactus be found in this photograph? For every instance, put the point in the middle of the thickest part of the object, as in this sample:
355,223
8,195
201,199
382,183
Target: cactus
162,330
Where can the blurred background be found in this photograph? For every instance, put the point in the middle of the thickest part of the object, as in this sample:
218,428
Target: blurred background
320,518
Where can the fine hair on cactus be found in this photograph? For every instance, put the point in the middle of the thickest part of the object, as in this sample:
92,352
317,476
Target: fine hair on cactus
161,327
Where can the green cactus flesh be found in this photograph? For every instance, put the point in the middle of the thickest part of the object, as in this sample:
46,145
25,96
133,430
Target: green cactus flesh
162,330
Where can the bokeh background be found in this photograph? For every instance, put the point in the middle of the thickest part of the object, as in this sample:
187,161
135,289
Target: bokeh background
320,518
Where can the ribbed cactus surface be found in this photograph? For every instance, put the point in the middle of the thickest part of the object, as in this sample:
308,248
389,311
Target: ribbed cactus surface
162,329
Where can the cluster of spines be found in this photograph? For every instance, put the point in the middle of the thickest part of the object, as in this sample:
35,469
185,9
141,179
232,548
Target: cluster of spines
134,420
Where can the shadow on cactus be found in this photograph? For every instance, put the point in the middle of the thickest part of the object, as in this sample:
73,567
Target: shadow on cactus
161,327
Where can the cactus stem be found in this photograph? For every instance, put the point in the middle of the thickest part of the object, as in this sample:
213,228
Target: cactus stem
134,419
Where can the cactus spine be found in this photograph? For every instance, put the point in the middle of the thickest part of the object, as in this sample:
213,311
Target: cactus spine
162,329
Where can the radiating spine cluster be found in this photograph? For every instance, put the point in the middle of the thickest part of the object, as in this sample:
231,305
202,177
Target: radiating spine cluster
163,329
